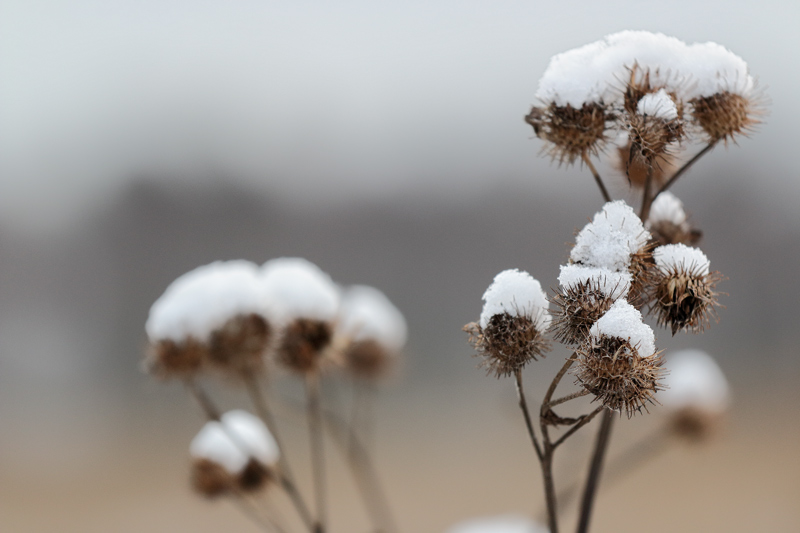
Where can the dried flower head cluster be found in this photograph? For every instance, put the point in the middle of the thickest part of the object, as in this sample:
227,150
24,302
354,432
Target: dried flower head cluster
656,89
512,326
235,454
229,316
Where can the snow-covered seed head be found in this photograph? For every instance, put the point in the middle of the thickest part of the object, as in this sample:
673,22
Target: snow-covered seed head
696,394
215,313
583,296
236,452
682,291
610,240
668,222
373,331
573,132
618,363
653,127
512,324
306,302
725,114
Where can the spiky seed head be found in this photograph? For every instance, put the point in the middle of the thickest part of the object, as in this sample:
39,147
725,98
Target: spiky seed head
612,370
578,307
725,114
239,345
641,264
210,479
681,289
668,232
573,132
640,84
367,359
636,168
302,344
170,359
507,343
651,138
254,477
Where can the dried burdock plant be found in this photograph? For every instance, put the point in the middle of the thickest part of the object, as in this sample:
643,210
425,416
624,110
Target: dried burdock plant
573,132
668,222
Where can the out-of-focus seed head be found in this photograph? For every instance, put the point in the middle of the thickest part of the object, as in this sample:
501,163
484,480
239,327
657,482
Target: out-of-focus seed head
695,424
170,359
239,345
573,132
613,371
254,477
507,343
302,344
578,307
724,115
367,359
210,479
683,297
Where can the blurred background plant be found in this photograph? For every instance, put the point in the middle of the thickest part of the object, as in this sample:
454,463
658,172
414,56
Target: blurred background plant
140,140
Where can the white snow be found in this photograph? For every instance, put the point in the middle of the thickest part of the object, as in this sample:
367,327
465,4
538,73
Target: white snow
509,523
610,238
298,288
202,300
658,105
667,207
625,322
596,72
695,380
516,293
367,314
671,257
231,442
611,284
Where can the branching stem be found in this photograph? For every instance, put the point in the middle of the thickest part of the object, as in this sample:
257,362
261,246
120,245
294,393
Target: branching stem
686,166
597,178
314,415
595,470
523,405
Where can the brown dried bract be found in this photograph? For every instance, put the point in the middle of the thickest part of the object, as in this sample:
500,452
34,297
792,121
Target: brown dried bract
573,132
508,343
239,345
724,115
637,168
210,479
302,344
683,299
612,370
577,308
254,477
170,359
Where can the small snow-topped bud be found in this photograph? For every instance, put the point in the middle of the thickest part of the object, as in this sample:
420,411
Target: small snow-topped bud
658,105
516,293
509,523
203,300
668,222
673,257
696,381
614,285
611,238
299,289
667,208
624,321
233,441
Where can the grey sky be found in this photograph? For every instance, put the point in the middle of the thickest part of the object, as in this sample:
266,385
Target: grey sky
326,102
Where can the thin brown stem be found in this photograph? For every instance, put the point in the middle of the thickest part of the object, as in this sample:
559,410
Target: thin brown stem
595,470
582,421
553,384
251,511
686,166
523,405
314,415
597,178
646,199
286,476
568,397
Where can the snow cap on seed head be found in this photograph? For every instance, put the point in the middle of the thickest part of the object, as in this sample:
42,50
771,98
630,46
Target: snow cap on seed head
611,284
516,293
204,299
238,437
608,241
679,257
695,381
509,523
298,288
658,105
368,315
668,208
625,322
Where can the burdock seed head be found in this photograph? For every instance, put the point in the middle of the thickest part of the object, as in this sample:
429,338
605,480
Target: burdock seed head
215,313
681,291
583,296
573,132
654,127
636,169
512,324
668,222
725,114
618,363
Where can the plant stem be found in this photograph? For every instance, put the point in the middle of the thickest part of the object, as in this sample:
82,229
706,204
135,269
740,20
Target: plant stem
646,200
523,405
686,166
585,419
553,384
597,178
595,470
249,510
567,398
313,413
286,476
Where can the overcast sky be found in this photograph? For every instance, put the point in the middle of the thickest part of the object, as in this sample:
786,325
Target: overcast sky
325,102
